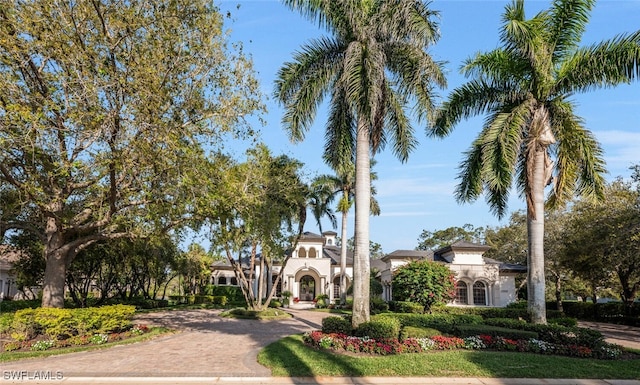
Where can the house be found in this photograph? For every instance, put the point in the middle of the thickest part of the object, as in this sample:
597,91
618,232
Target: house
8,256
314,269
480,281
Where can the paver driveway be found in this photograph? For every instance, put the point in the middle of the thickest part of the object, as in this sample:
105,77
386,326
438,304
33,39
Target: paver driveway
206,346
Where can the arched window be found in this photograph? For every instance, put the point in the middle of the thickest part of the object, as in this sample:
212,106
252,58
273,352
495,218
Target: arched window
222,280
234,281
302,253
479,294
329,242
462,296
312,253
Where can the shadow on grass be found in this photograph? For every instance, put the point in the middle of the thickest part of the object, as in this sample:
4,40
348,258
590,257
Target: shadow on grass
291,358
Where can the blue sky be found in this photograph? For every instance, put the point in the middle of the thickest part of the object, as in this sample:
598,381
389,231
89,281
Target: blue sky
419,194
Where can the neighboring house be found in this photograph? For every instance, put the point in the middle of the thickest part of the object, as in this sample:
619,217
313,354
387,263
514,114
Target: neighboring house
480,281
8,288
314,269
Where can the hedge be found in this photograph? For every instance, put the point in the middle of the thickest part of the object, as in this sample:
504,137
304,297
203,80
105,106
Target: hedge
380,328
463,331
406,307
335,324
65,323
418,332
199,299
443,322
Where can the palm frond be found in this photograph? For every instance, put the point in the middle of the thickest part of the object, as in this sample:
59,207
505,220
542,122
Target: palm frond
473,98
301,85
580,165
568,23
399,127
340,133
498,65
470,174
605,64
415,74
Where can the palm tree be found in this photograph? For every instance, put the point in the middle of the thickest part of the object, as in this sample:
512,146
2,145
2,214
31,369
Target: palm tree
343,185
525,86
320,196
374,64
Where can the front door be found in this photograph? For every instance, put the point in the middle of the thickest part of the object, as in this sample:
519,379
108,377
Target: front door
307,288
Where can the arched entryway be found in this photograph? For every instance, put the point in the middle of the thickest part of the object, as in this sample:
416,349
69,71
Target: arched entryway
307,288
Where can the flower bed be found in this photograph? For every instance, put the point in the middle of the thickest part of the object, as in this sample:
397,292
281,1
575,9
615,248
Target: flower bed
344,343
39,344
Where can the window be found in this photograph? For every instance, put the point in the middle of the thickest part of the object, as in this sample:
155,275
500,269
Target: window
302,253
312,253
479,294
222,280
329,242
336,287
462,296
234,281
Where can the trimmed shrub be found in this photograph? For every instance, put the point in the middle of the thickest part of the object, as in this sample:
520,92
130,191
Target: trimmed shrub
378,305
418,332
564,321
443,322
56,323
387,328
495,331
406,307
12,306
335,324
275,303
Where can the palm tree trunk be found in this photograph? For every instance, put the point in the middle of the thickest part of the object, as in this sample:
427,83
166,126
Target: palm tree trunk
361,262
535,230
343,259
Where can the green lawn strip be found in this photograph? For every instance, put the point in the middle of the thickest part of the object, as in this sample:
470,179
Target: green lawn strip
290,357
14,356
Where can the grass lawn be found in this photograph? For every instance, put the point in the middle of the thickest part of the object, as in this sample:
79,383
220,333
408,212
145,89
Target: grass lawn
290,357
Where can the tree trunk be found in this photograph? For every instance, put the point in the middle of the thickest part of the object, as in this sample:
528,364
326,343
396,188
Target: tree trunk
55,272
558,282
535,230
343,260
361,262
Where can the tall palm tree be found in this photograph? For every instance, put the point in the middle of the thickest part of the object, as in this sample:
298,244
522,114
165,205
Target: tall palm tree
343,185
374,65
525,86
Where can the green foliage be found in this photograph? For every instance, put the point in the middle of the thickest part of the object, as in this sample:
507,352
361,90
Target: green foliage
322,301
517,312
424,282
495,331
564,321
233,293
11,306
443,322
440,238
405,307
335,324
127,153
264,314
275,303
380,328
418,332
64,323
378,305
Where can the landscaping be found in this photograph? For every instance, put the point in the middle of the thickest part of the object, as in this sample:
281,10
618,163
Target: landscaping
391,333
42,329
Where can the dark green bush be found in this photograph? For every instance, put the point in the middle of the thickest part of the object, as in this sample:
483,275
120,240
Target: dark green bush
418,332
378,305
379,329
11,306
335,324
515,312
495,331
506,323
233,293
275,303
406,307
564,321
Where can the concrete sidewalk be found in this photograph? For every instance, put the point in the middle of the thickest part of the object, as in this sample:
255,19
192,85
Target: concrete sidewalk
209,349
